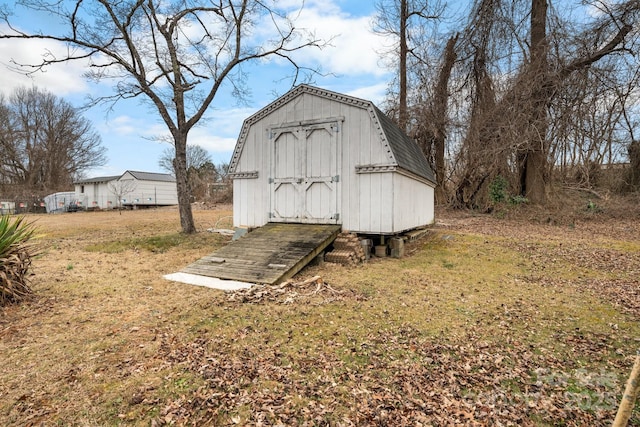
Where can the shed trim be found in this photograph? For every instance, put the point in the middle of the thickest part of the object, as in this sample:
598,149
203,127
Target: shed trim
376,168
284,99
412,175
309,122
364,169
244,175
382,134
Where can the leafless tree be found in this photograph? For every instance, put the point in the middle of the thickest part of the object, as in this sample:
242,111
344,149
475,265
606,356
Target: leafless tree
431,117
45,142
201,172
120,189
174,53
404,21
196,158
523,71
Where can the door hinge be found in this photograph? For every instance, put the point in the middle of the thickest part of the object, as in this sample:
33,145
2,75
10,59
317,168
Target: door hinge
270,180
336,216
335,178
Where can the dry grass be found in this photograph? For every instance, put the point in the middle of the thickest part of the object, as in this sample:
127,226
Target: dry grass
107,341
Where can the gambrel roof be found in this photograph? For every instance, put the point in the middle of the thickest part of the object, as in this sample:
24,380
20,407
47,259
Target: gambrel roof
403,151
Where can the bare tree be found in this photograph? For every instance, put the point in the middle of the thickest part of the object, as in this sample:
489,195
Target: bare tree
196,158
403,20
174,53
509,132
44,142
120,189
430,130
201,172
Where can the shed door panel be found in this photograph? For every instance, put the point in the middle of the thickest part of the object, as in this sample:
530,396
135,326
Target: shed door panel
285,197
305,177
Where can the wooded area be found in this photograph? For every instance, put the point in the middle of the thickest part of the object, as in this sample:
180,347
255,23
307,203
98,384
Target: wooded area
532,93
45,144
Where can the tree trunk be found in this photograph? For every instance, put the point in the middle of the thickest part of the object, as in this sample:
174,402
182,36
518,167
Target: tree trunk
182,184
404,51
629,397
534,176
441,97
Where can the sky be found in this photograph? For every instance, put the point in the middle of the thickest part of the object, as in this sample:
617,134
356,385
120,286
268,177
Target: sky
351,65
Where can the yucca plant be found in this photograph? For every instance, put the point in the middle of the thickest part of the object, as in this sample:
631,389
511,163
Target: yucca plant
16,252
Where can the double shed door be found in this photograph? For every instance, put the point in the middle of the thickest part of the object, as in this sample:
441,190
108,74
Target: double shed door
304,179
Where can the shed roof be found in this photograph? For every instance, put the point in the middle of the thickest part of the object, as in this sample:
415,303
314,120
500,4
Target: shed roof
152,176
97,179
406,152
141,176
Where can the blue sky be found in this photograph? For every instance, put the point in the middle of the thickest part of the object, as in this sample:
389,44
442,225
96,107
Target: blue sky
353,65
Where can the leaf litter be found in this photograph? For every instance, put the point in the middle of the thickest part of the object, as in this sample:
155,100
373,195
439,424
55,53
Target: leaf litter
499,369
490,375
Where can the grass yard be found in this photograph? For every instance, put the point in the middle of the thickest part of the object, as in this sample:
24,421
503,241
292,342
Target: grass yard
488,320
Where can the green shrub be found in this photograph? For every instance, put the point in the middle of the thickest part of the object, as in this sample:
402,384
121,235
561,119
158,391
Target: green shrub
16,252
518,200
498,189
593,208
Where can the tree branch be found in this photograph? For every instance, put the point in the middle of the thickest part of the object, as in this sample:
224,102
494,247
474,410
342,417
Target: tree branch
607,49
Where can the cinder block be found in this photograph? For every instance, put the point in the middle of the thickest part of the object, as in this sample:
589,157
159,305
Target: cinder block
396,244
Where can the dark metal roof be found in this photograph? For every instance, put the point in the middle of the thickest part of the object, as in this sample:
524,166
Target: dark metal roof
406,151
141,176
152,176
97,179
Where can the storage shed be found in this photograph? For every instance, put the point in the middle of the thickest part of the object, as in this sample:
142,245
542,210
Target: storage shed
136,189
317,156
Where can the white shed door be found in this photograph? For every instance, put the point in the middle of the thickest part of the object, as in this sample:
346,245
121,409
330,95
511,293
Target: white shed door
305,173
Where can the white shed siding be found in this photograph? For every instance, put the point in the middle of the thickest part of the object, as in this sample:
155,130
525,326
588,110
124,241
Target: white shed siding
413,202
250,193
147,192
98,192
375,201
154,193
95,195
367,197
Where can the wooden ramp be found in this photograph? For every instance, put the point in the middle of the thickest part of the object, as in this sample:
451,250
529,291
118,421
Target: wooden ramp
269,254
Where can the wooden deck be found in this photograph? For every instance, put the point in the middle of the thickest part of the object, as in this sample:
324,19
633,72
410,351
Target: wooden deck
269,254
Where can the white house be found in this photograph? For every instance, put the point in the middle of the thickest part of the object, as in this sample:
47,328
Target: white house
316,156
131,189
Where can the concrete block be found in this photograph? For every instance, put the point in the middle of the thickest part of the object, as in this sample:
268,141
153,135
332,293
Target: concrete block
396,244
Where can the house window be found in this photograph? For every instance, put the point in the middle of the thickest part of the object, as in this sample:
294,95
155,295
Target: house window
82,189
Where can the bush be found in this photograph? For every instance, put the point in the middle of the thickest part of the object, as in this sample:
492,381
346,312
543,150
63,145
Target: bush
518,200
16,252
498,189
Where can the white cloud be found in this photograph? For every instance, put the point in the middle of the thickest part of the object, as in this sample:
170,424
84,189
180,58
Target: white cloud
210,142
61,79
122,125
353,46
375,93
219,131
